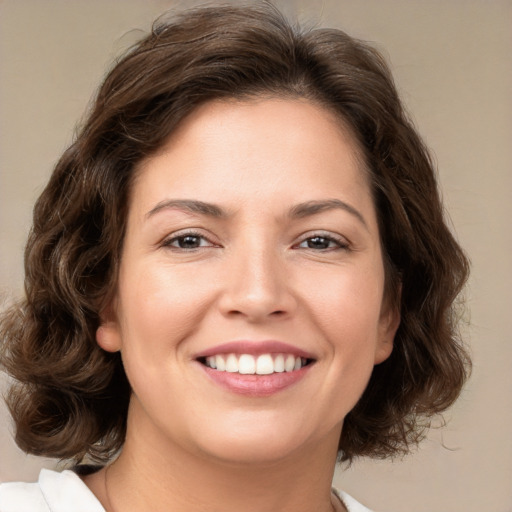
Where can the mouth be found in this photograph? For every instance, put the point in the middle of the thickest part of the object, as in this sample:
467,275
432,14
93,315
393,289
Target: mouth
249,364
255,368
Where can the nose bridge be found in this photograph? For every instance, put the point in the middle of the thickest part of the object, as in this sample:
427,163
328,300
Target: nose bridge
256,286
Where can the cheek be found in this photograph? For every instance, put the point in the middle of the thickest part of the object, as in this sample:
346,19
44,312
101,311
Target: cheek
160,307
349,302
347,313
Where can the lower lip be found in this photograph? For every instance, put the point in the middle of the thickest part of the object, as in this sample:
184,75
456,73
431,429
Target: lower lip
256,385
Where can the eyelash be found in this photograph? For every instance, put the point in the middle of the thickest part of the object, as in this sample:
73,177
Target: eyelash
339,243
182,236
335,243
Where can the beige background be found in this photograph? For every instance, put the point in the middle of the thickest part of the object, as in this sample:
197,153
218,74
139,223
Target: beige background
453,67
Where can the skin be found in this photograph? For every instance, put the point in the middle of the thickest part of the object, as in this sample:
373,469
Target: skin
256,272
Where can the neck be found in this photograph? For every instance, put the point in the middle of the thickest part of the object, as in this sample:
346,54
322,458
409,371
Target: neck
153,474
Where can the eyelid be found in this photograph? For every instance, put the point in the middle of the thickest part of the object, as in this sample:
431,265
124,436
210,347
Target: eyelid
197,232
342,242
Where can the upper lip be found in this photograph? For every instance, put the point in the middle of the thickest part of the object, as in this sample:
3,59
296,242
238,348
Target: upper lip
255,348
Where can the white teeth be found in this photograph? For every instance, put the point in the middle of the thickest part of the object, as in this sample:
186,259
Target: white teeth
220,363
265,365
279,363
289,363
247,364
232,364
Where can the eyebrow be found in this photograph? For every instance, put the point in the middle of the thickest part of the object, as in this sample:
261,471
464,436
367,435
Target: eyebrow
313,207
190,205
301,210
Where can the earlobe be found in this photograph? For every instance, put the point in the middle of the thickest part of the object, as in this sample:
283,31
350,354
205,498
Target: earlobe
389,323
108,338
108,334
383,350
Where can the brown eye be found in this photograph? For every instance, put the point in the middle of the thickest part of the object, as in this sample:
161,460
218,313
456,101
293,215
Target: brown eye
187,242
319,242
322,243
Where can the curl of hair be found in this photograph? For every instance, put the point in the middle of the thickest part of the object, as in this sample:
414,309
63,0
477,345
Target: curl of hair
70,398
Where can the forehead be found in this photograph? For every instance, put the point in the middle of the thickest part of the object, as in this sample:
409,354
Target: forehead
292,144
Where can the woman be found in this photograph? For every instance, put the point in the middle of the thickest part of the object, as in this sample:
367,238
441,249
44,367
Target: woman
238,273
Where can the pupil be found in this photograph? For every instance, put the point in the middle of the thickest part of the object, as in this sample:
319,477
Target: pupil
189,242
318,242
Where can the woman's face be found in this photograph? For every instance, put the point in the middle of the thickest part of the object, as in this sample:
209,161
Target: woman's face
249,310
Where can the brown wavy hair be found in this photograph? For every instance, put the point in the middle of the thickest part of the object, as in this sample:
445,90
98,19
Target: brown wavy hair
70,398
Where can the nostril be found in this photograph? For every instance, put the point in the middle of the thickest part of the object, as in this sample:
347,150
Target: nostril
277,313
255,305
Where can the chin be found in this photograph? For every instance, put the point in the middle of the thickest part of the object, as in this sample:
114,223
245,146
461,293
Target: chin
251,452
259,442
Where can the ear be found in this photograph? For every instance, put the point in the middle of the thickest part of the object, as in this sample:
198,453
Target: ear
388,325
108,333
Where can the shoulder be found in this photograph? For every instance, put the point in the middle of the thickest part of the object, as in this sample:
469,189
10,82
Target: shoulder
19,497
53,492
350,503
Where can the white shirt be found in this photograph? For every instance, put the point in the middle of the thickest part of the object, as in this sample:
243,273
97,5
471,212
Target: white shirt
66,492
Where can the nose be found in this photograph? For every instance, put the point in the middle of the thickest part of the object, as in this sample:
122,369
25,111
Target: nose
257,286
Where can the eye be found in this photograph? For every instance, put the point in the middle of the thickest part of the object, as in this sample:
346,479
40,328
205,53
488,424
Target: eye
322,243
188,241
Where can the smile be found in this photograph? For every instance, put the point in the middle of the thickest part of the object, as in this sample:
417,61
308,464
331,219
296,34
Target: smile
248,364
255,368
